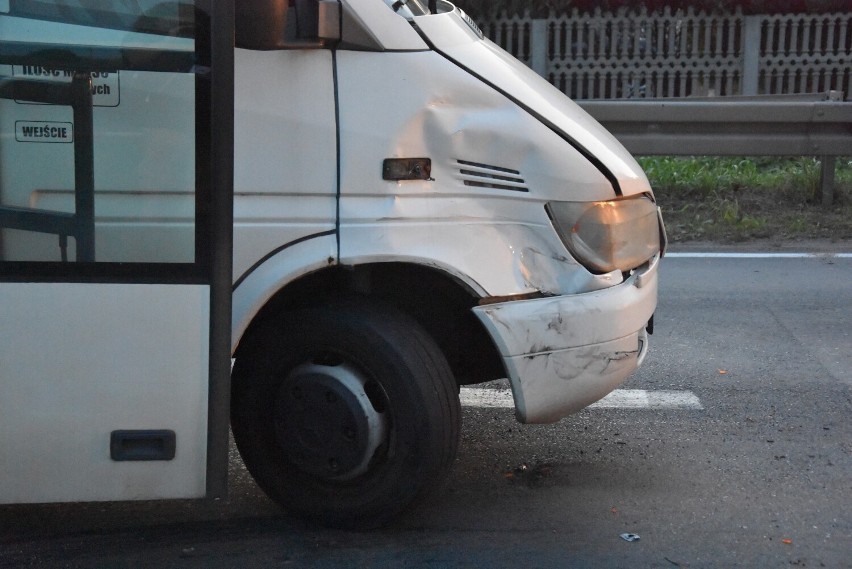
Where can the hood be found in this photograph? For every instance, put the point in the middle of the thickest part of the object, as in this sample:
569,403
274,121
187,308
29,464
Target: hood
456,37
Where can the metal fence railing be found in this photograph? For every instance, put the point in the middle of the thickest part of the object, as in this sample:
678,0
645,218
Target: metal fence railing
680,53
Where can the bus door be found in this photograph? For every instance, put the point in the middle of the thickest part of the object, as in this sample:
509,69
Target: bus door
115,197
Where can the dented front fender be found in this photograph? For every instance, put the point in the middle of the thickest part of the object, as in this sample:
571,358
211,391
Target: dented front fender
566,352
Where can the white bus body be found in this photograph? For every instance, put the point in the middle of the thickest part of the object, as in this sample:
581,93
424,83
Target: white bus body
396,157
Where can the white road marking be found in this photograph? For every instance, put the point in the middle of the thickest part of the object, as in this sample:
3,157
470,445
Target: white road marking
760,255
644,399
479,397
618,399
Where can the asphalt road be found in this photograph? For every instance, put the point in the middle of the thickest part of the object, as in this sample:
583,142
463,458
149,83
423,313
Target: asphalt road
759,476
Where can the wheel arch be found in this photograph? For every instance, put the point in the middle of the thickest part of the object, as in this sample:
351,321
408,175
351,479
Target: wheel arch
254,289
438,300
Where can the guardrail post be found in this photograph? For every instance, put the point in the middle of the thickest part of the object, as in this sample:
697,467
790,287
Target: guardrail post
826,179
751,54
538,46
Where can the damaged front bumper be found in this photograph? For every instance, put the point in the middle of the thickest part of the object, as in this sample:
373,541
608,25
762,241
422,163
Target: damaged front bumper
563,353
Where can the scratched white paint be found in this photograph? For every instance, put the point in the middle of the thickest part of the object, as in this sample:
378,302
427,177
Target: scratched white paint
618,399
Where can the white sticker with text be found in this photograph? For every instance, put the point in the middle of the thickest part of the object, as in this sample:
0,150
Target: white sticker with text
46,131
105,84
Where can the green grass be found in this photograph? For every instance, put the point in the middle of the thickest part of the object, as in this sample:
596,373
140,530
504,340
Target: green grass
735,199
709,174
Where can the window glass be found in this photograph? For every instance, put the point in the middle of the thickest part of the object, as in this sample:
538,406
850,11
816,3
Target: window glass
108,177
408,8
145,16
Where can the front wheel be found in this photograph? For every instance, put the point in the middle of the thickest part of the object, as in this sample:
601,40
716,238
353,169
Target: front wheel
345,414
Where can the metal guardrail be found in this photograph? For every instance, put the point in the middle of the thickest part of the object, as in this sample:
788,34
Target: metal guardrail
773,125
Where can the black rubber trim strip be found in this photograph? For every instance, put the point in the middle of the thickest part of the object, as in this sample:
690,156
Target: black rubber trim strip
100,58
336,143
277,250
118,273
564,136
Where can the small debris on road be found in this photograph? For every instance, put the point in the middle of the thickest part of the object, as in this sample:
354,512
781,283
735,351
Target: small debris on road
630,537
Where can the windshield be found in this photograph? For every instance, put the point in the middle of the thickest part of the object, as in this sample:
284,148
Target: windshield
408,8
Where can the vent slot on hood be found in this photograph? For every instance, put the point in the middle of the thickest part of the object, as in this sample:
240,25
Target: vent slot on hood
494,177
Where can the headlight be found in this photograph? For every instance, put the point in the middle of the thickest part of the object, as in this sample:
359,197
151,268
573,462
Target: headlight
605,236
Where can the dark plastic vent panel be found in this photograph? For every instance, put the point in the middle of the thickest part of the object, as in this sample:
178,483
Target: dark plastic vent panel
493,177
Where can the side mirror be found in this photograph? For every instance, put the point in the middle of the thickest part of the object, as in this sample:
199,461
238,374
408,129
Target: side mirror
282,24
260,24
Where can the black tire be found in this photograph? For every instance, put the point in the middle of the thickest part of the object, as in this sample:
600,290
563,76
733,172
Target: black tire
293,419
